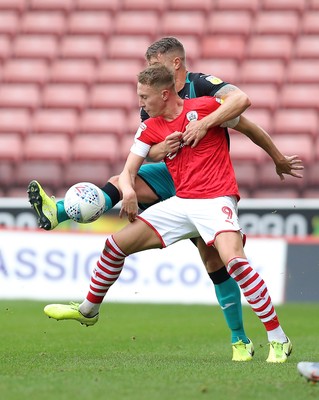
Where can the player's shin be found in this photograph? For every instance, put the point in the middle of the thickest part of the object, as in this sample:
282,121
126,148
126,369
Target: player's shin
257,295
106,272
229,299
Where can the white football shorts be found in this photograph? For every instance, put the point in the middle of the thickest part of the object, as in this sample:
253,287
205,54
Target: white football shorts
175,219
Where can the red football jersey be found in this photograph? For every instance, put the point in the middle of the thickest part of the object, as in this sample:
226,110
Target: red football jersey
204,171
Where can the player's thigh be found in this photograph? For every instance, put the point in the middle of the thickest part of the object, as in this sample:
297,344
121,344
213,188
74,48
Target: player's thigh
230,245
137,236
209,256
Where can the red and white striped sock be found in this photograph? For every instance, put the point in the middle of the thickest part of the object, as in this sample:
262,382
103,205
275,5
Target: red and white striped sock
255,291
106,272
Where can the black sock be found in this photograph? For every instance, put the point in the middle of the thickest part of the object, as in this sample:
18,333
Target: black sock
219,276
112,192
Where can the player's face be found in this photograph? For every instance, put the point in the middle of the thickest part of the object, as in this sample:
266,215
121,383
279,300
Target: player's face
150,99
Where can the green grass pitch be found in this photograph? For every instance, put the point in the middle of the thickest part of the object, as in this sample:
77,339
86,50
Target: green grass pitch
149,352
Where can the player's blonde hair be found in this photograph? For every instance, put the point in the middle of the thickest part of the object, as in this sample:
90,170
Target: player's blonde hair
157,76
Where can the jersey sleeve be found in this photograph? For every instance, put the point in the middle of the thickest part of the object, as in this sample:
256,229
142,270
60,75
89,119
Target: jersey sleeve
142,142
207,85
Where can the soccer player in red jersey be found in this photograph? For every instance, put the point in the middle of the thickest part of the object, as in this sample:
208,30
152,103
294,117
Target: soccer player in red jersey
154,183
205,205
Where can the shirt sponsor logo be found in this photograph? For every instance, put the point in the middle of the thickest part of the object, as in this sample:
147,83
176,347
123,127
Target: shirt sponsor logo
213,80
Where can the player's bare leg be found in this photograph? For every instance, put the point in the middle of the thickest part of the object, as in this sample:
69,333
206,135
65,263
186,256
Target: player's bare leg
134,237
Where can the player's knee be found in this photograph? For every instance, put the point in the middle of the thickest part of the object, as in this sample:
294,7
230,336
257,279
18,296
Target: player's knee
213,265
114,180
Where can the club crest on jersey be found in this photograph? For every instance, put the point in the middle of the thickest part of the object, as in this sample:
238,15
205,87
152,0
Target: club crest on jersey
192,116
213,80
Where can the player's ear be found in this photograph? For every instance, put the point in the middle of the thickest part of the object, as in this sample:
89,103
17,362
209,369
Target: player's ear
177,62
165,94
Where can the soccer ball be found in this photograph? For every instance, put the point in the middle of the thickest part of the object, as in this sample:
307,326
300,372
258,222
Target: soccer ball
84,202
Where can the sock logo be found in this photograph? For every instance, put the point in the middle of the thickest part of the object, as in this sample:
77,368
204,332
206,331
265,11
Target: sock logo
227,305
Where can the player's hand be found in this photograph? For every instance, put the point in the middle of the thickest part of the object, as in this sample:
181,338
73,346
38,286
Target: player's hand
129,206
290,165
172,142
169,145
195,131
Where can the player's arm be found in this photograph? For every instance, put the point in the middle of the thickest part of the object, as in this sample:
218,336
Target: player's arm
234,103
289,165
169,145
127,178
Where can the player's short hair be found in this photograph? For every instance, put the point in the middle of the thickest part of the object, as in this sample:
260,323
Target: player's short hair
166,45
157,76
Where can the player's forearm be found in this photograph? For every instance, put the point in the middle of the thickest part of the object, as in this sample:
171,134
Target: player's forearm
128,175
157,152
260,137
129,206
235,102
126,182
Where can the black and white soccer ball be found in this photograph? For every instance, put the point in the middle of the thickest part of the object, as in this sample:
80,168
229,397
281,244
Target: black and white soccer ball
84,202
